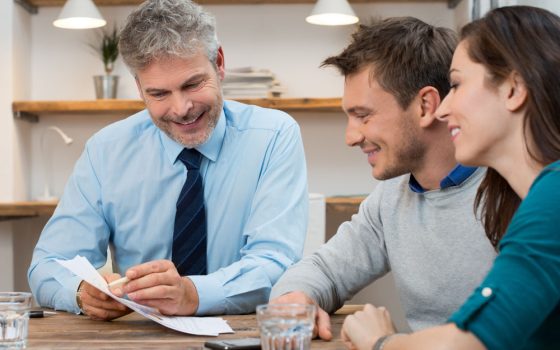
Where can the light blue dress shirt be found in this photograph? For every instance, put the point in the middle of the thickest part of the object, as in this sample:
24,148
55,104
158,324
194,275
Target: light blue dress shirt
123,194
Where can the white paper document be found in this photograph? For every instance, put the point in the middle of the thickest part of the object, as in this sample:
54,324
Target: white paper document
213,326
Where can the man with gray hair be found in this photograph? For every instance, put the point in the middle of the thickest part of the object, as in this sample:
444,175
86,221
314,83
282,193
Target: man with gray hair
203,202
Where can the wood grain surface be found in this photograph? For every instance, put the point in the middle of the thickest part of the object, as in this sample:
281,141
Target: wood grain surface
69,331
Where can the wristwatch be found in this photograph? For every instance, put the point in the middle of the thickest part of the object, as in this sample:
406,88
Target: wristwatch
79,297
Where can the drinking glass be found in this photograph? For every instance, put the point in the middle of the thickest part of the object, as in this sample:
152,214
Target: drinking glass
14,319
286,326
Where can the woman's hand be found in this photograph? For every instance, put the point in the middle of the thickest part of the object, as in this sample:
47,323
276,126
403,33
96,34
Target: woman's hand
362,329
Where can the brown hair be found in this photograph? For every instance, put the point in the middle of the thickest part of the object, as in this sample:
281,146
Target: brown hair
405,53
523,39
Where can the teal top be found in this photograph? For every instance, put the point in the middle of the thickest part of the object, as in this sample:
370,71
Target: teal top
517,305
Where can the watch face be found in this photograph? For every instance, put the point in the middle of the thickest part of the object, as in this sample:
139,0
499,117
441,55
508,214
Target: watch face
79,297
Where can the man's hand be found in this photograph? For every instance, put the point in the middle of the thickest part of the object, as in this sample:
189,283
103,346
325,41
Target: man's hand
159,285
322,320
362,329
98,305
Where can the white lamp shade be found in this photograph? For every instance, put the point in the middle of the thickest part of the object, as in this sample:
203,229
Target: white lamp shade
332,13
79,14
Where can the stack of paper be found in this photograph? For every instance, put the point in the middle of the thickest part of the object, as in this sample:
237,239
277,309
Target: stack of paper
249,82
213,326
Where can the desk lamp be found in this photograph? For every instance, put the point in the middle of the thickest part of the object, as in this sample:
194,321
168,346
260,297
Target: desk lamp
47,196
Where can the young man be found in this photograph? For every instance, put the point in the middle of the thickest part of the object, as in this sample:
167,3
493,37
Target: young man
418,223
203,202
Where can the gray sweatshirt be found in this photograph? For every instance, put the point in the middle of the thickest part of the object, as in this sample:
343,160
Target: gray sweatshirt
432,241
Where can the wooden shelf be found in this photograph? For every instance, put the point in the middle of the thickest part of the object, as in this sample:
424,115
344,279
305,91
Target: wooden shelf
21,108
15,210
353,201
44,107
41,3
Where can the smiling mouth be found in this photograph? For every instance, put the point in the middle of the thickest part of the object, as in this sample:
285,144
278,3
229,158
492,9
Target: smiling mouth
189,122
372,151
455,131
372,156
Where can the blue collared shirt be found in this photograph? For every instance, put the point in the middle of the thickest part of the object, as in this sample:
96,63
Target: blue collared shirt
456,177
123,194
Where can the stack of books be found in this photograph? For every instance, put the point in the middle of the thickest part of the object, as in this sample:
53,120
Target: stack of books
249,82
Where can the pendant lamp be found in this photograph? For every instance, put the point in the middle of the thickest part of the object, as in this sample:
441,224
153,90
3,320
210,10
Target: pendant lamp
332,13
79,14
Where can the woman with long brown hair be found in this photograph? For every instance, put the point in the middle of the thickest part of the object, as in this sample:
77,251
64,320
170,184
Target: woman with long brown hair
503,112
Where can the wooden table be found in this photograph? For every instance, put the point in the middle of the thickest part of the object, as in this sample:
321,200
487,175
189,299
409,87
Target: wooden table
69,331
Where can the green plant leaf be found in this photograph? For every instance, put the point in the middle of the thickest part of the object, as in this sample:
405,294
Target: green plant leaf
107,47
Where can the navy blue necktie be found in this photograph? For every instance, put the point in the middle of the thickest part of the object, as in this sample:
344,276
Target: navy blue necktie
189,236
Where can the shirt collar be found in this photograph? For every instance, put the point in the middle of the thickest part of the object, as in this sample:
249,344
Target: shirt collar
456,177
210,149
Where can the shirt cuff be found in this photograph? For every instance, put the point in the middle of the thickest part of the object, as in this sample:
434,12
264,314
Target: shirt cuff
66,300
211,296
467,314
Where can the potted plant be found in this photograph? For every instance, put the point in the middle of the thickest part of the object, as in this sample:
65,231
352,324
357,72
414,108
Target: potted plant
107,48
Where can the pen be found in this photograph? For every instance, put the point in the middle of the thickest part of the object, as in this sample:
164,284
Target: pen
40,313
118,282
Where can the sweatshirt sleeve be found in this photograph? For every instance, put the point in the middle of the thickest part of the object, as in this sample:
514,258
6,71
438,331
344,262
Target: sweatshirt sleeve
348,262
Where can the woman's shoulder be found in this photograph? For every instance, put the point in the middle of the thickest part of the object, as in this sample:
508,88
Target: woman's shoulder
548,179
537,216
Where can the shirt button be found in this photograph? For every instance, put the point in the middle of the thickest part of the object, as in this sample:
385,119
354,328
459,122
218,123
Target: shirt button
486,292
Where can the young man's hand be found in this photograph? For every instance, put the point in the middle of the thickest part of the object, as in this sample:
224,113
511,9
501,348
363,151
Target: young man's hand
322,320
